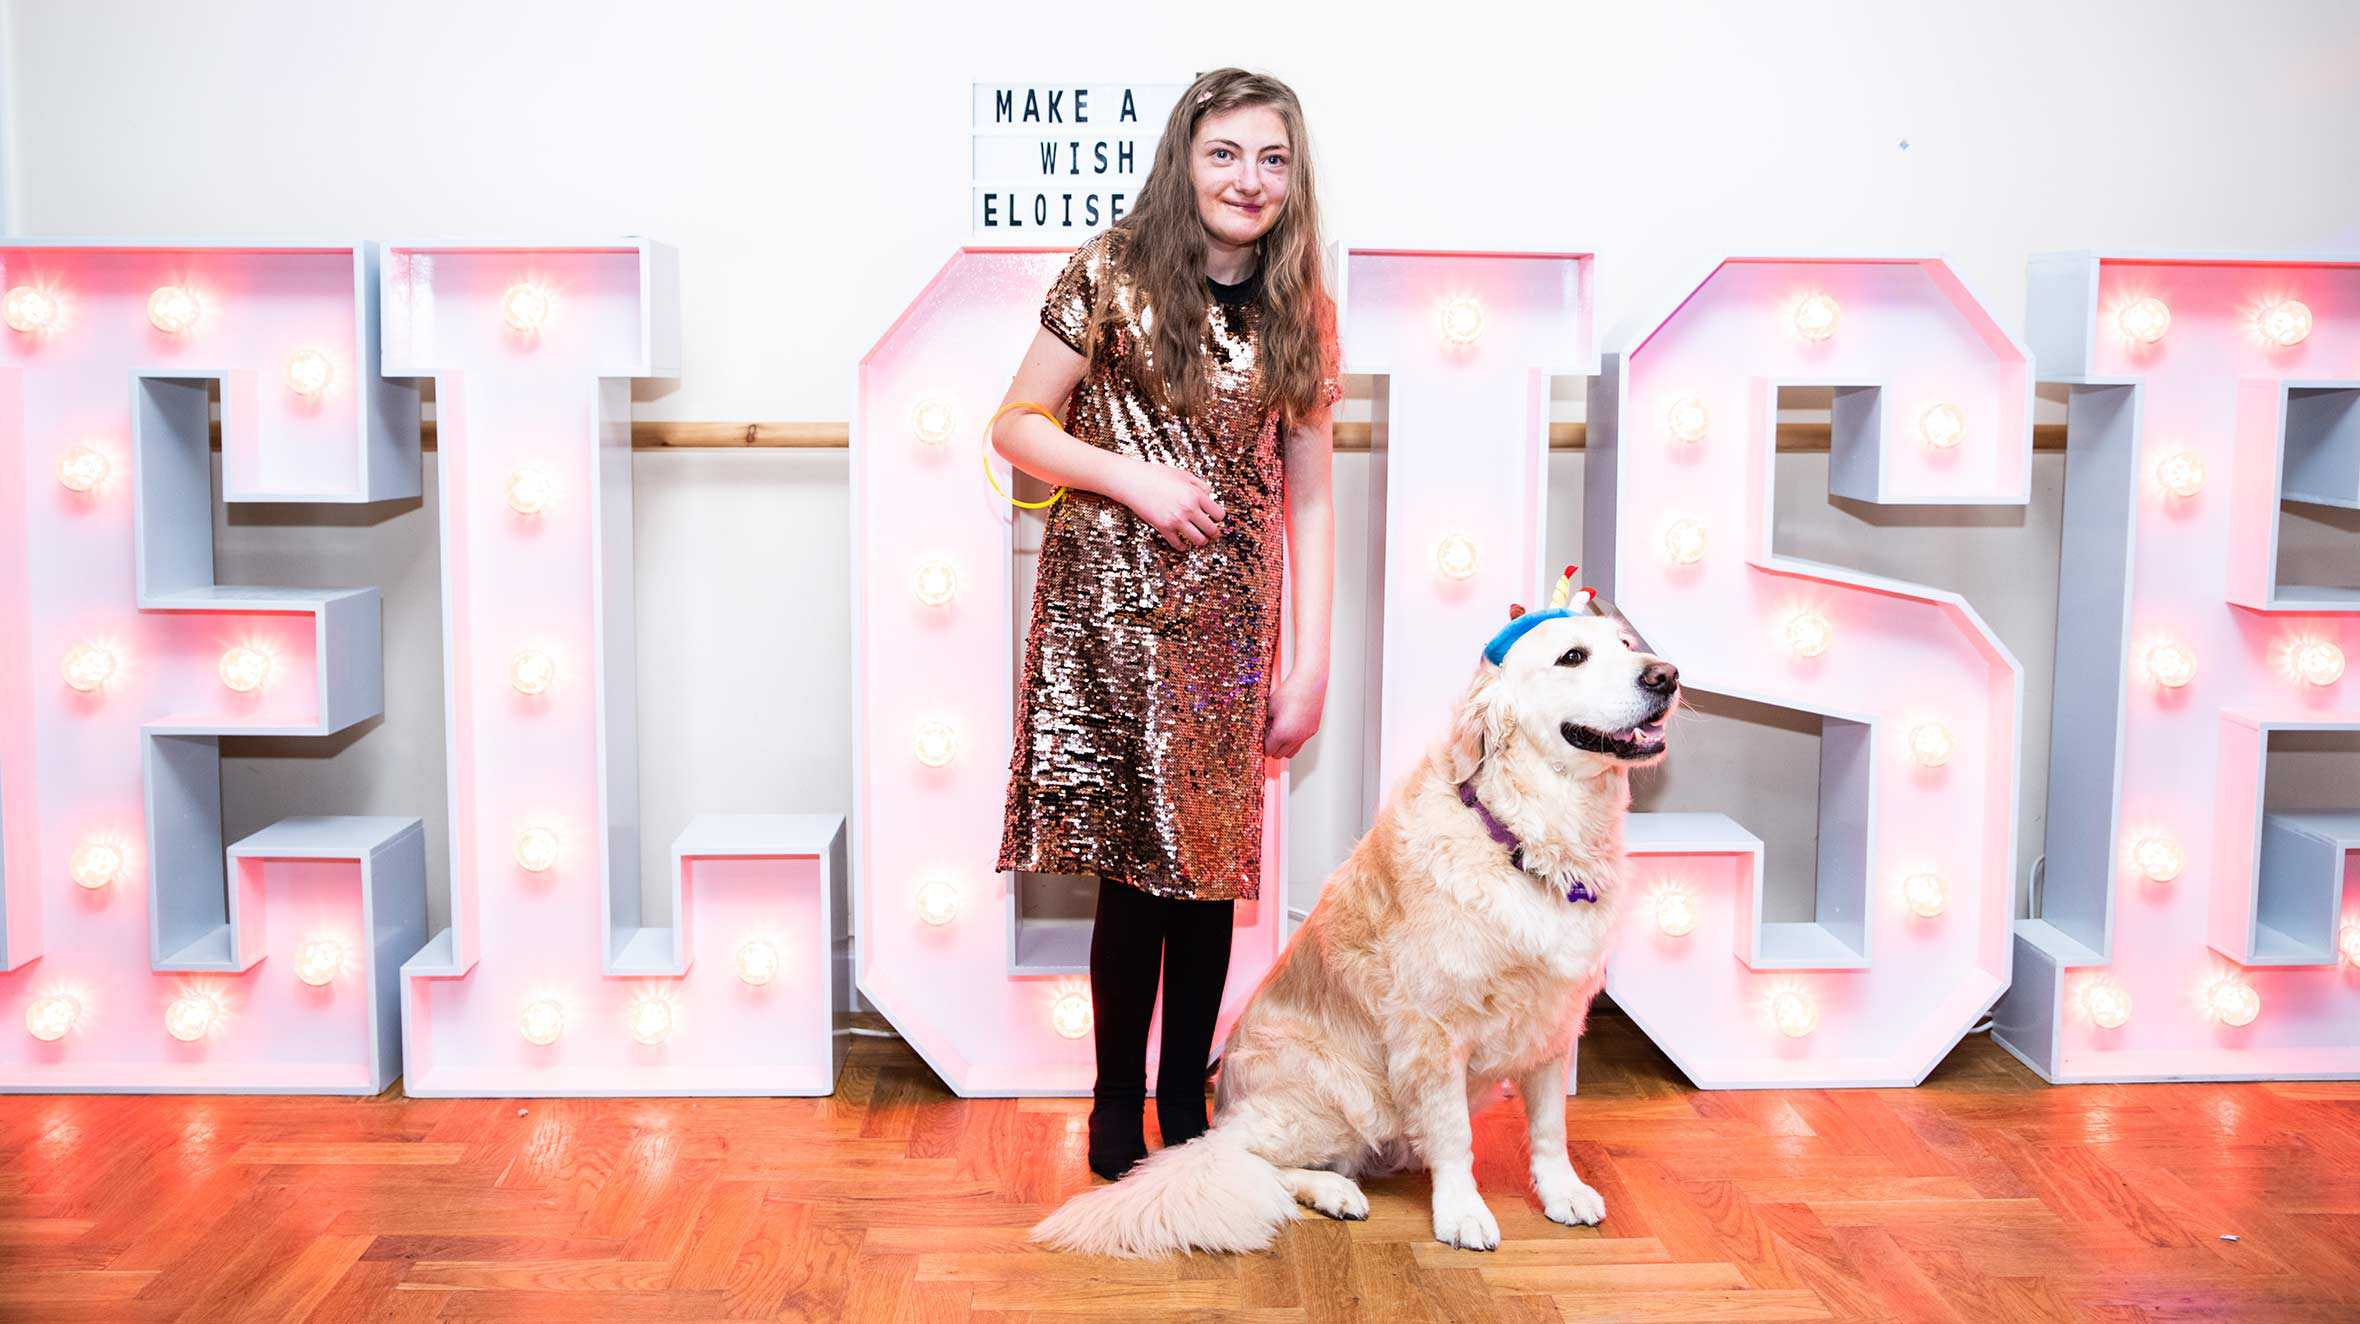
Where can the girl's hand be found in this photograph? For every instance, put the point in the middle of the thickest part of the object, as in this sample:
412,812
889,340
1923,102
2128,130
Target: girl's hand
1178,503
1294,714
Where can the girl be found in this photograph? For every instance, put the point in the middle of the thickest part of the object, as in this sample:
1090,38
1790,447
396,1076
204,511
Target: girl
1192,347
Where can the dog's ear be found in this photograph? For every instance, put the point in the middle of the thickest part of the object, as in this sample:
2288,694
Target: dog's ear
1479,722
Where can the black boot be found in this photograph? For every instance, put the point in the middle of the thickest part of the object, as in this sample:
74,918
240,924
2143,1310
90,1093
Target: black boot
1196,965
1118,1135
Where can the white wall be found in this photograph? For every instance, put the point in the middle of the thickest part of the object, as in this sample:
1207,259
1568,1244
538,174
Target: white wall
810,162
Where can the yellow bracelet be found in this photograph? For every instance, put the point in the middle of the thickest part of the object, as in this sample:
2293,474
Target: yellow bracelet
992,478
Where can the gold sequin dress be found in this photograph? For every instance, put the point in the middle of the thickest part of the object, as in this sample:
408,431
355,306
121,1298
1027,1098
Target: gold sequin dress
1147,670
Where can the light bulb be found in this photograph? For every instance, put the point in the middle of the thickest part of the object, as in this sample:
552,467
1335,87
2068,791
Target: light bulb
937,743
933,421
1069,1015
319,961
525,306
2348,942
2158,858
543,1020
48,1017
938,583
938,902
2319,662
2181,473
1926,894
1687,420
173,309
88,666
2232,1001
1684,542
757,961
532,672
1462,320
244,668
30,310
309,372
2171,665
2144,320
536,849
2107,1003
1675,911
1815,317
81,469
1942,425
651,1019
1794,1013
2285,323
1807,634
192,1016
1454,556
95,864
530,489
1930,744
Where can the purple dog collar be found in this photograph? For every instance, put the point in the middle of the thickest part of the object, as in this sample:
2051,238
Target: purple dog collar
1578,891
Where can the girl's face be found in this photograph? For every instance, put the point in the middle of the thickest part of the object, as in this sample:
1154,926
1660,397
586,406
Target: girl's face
1238,163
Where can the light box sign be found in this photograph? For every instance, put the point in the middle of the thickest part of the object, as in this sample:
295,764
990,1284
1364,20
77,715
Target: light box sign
1062,159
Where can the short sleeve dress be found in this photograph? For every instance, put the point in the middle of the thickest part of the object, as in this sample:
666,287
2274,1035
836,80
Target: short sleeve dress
1147,670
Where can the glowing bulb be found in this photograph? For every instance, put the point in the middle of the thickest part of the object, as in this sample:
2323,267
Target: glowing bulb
536,849
49,1016
938,902
2144,320
309,372
1675,911
81,469
938,743
543,1020
1815,317
1687,420
2348,942
1930,744
172,309
2158,858
1926,894
757,961
1807,634
1462,320
319,961
938,583
2107,1003
29,310
530,489
2232,1001
933,421
2319,662
2181,473
1454,556
244,668
533,672
1942,425
2285,323
1070,1014
1684,542
651,1020
192,1016
95,864
525,306
88,666
1792,1009
2171,665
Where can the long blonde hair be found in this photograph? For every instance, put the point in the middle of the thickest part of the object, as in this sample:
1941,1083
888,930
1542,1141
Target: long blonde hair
1162,245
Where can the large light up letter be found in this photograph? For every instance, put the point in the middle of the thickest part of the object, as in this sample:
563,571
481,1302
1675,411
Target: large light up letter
1903,943
140,954
550,979
2187,928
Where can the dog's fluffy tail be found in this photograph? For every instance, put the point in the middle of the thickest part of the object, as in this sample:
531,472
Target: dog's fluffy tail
1212,1193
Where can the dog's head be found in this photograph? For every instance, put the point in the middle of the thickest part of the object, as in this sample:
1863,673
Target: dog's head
1570,684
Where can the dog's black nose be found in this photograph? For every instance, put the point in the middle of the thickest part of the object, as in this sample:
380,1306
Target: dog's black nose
1660,678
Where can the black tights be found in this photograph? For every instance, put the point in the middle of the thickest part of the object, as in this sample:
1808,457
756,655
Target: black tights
1135,934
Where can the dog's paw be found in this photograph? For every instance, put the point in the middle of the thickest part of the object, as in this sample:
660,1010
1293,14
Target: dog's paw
1566,1199
1333,1194
1466,1224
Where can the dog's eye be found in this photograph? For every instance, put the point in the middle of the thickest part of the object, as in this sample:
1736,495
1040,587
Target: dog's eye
1574,657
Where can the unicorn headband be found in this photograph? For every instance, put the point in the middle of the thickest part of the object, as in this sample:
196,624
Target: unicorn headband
1564,600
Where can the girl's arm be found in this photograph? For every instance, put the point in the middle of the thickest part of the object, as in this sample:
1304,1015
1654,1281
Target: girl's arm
1311,558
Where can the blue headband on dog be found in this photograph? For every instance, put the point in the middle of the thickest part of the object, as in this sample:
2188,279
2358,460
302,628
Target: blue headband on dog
1496,652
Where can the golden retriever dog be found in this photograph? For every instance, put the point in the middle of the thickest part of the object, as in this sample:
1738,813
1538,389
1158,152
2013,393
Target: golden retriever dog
1458,946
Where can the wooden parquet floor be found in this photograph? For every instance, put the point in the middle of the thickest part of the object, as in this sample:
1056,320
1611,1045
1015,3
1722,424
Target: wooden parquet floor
1981,1196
